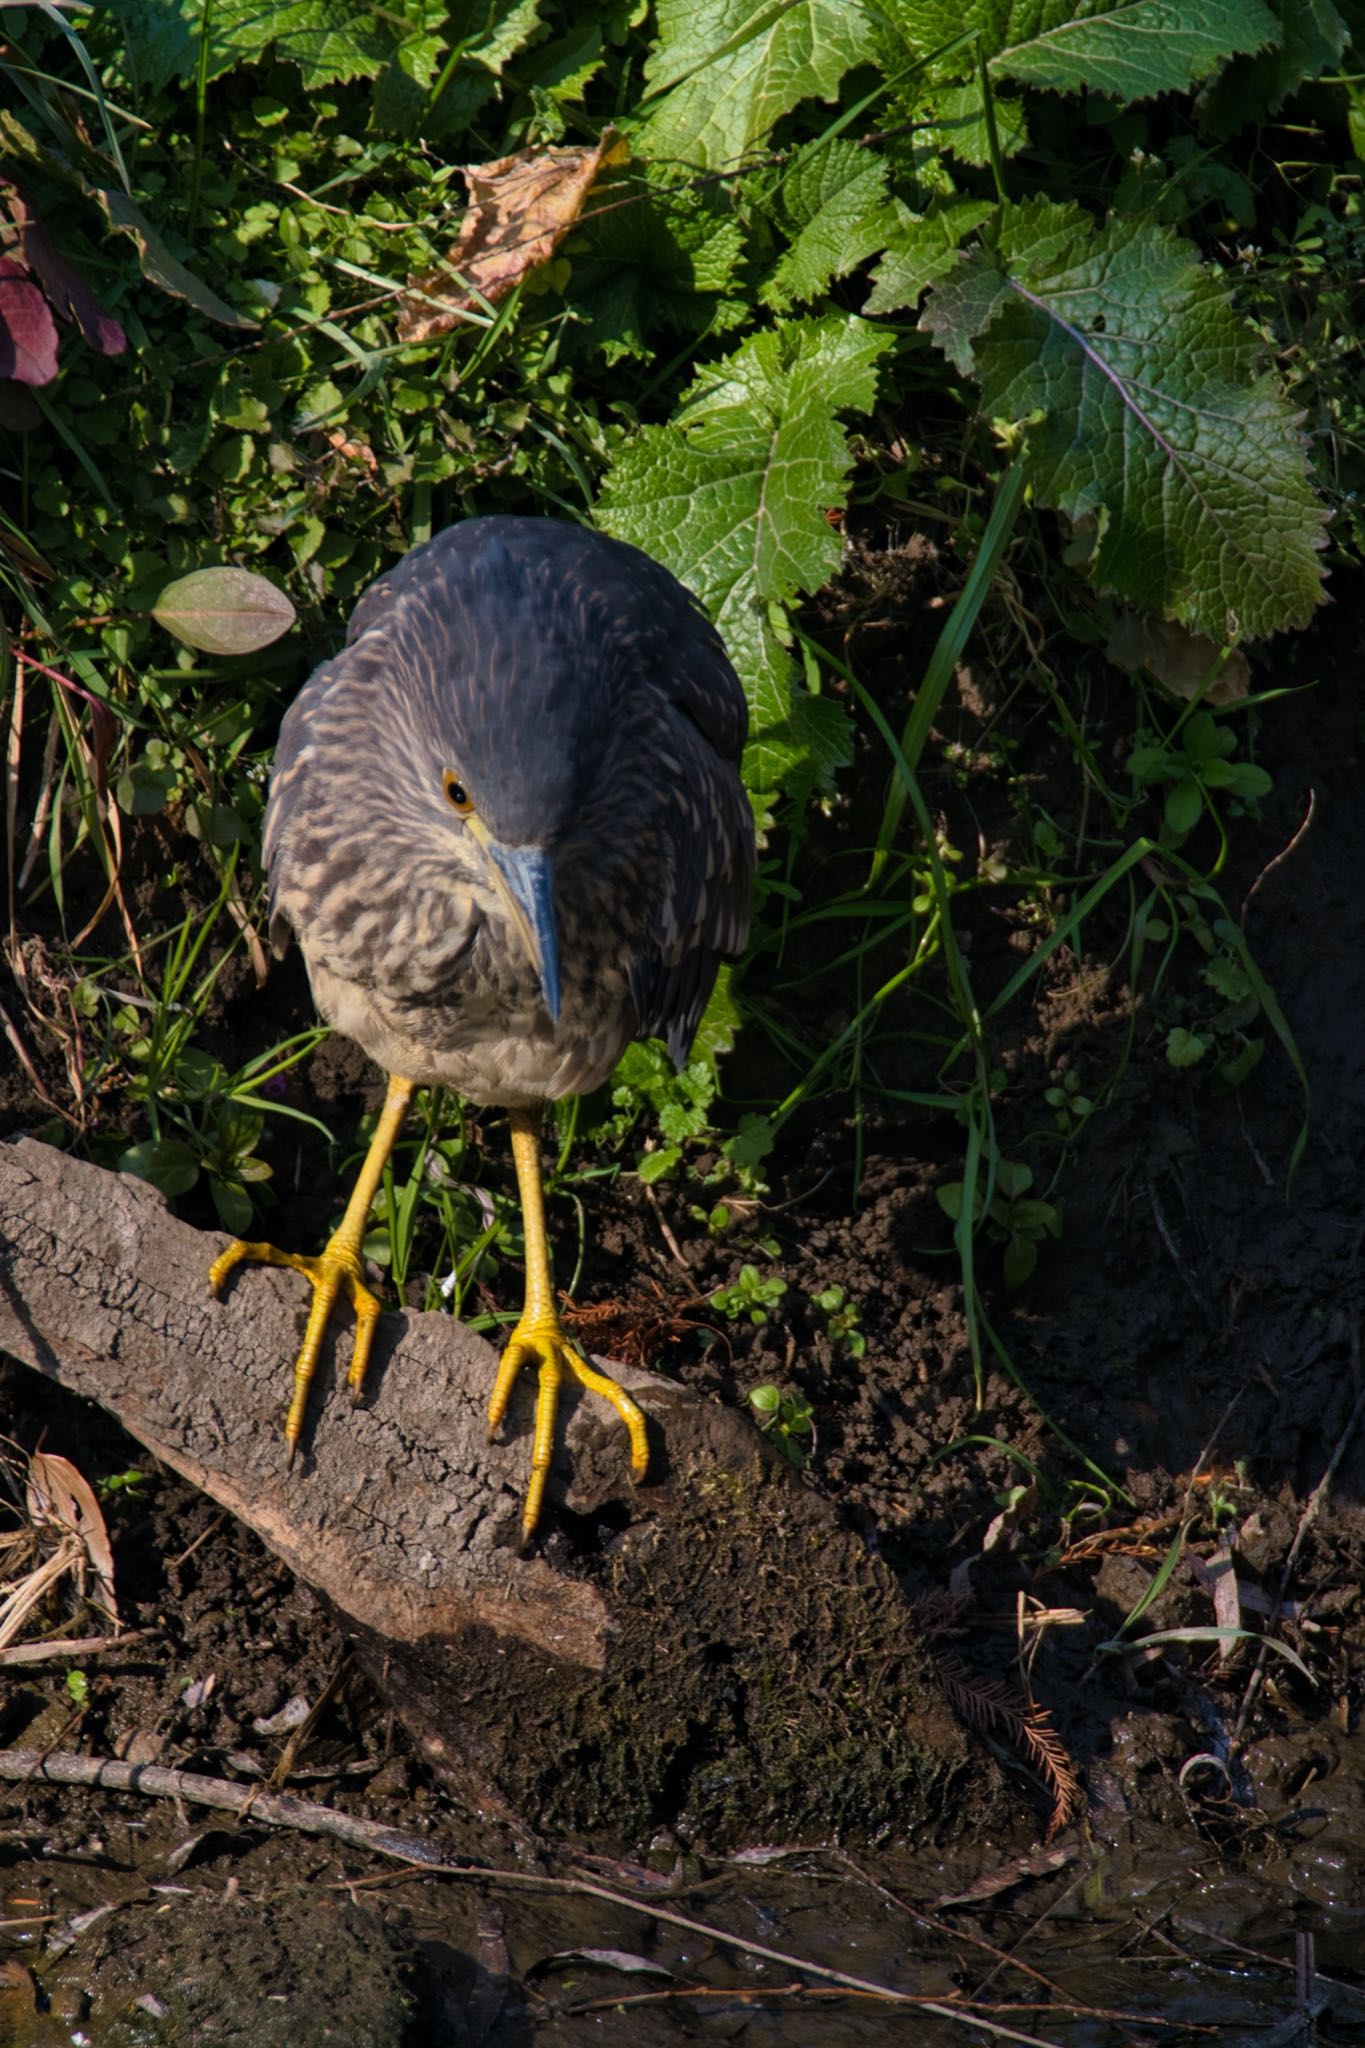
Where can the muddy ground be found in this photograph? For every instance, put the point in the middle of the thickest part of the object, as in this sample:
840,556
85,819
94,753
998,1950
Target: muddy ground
1193,1333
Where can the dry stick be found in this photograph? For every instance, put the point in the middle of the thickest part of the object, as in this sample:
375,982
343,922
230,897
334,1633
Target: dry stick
71,1646
111,1774
1281,857
279,1810
932,1924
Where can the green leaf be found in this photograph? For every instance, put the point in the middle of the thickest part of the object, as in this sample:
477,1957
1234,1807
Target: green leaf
232,1202
500,30
663,256
1021,1256
224,611
835,197
1312,38
733,496
1241,1065
169,1165
725,71
752,1143
956,122
1142,410
659,1164
720,1022
922,248
1226,979
1184,806
1130,49
329,40
1185,1048
1241,778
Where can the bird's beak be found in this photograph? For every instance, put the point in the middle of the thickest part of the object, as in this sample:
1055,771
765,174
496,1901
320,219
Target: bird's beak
524,877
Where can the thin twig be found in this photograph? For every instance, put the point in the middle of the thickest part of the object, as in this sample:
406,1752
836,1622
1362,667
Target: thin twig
1280,858
279,1810
665,1230
70,1646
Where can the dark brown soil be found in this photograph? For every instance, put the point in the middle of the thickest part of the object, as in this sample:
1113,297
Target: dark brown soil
1193,1335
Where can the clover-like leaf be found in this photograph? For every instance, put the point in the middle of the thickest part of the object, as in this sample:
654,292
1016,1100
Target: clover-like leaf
224,611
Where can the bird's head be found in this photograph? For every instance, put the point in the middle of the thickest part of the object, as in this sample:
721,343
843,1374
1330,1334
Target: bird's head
519,874
505,724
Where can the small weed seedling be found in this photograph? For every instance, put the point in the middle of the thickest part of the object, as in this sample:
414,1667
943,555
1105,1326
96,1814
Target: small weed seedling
1194,765
752,1296
1071,1108
787,1420
129,1483
841,1319
1016,1219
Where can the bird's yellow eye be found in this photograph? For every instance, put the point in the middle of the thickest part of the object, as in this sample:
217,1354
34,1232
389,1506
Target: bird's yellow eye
457,794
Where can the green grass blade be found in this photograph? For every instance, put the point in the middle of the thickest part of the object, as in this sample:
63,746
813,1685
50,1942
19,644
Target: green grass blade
948,652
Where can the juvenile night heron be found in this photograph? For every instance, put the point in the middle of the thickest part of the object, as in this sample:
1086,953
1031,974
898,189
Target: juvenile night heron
507,826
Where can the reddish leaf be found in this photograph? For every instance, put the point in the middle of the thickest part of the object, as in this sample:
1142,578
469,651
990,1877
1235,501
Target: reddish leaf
71,296
28,332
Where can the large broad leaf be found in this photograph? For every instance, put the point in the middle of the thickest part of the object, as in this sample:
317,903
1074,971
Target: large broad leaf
1131,49
329,40
921,248
1126,48
224,611
727,70
661,253
735,496
1144,414
1312,39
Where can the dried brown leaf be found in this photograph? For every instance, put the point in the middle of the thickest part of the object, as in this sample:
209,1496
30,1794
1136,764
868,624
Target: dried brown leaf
520,209
66,289
1181,661
58,1494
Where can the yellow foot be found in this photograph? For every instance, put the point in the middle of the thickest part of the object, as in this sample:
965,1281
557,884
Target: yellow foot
335,1268
541,1340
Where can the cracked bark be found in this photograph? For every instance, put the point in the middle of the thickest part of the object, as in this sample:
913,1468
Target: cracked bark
729,1654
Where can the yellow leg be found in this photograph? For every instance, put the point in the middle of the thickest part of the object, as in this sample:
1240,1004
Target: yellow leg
336,1267
540,1338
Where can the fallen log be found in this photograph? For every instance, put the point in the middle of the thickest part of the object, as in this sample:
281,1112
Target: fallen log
721,1655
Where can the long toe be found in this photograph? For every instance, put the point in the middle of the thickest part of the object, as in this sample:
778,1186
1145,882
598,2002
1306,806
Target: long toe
543,1342
333,1271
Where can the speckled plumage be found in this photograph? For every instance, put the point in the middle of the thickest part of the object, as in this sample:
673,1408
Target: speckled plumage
582,698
